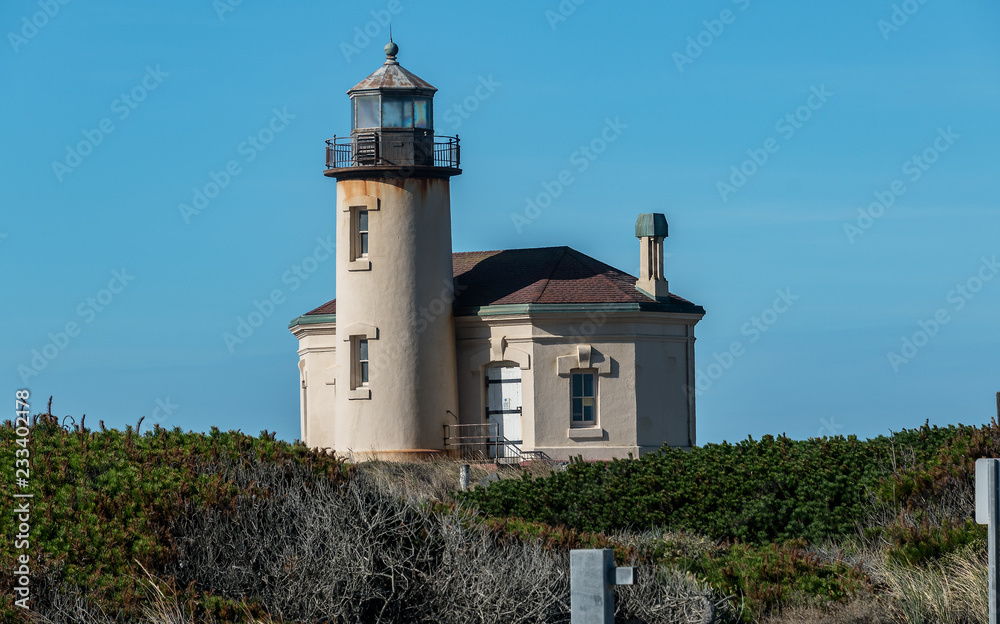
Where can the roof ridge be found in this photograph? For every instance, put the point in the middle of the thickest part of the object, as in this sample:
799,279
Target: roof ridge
482,251
590,260
552,269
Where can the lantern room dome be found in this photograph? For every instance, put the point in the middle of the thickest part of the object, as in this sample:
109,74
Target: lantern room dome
393,77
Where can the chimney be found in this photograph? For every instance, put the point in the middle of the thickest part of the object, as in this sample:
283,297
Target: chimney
651,229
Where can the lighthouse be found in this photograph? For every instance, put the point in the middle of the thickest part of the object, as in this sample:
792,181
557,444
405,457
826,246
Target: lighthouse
503,355
395,338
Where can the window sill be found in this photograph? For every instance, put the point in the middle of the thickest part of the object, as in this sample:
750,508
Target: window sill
359,393
585,433
359,265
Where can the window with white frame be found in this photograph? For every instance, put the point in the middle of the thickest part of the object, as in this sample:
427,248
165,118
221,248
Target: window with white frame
583,399
359,356
359,238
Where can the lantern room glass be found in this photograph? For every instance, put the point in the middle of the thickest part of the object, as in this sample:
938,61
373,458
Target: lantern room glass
421,112
392,111
366,112
397,112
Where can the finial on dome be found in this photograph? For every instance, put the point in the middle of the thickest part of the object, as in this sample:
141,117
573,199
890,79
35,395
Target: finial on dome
391,48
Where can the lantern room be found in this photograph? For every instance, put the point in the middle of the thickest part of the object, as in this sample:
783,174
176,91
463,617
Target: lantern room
392,125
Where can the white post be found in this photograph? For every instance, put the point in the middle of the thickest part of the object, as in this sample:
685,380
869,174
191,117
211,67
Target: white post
988,512
463,477
592,577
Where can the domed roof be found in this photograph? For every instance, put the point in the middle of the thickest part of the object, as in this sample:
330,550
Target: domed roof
392,76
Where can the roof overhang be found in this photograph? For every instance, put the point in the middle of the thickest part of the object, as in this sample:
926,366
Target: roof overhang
692,312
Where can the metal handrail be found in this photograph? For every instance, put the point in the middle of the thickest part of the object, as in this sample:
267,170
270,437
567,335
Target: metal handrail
490,439
393,149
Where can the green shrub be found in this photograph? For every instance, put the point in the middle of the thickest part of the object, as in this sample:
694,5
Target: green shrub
758,492
770,578
915,544
103,501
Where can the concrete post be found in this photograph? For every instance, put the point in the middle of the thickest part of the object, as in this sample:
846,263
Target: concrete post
592,577
988,512
463,477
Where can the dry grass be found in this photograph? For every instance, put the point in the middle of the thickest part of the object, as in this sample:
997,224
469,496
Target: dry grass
361,553
437,479
950,591
867,611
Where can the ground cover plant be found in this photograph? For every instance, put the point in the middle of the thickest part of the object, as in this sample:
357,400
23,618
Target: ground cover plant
178,527
167,526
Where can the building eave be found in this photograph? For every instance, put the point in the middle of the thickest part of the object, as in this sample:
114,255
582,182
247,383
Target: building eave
691,311
312,319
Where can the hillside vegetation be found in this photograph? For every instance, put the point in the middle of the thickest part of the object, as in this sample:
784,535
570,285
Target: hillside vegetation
167,526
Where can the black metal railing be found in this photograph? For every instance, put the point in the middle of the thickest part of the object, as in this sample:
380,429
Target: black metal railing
390,149
483,442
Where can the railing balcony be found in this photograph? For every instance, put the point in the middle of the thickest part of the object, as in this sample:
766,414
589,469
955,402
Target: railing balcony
392,150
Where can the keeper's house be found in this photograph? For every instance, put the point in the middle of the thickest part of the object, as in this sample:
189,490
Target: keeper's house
513,354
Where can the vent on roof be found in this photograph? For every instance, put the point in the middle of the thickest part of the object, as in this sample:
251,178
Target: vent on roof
651,229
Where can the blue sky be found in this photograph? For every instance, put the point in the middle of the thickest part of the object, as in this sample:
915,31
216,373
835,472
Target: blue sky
828,171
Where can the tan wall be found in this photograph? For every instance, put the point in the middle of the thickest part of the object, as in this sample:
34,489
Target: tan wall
663,412
317,369
644,360
407,296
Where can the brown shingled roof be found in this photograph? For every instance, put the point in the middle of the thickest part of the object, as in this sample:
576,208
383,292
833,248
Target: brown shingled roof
544,275
330,307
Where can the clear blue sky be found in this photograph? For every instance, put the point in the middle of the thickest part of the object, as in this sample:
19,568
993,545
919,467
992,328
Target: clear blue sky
112,114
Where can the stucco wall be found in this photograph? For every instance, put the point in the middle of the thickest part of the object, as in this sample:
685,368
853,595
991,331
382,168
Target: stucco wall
317,369
406,299
663,413
643,360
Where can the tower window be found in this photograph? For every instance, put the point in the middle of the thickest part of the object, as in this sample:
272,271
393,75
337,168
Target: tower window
363,362
362,245
359,233
359,362
354,228
584,399
357,368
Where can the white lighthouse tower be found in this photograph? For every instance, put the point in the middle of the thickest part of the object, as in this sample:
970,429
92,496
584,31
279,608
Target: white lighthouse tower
395,374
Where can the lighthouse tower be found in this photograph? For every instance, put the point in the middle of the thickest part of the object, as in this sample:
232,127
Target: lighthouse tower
396,381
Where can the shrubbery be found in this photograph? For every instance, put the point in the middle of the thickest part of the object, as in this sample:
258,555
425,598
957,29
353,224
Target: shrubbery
759,492
232,527
104,501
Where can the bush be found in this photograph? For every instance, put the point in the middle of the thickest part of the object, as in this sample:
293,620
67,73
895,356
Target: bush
775,489
357,554
233,527
104,501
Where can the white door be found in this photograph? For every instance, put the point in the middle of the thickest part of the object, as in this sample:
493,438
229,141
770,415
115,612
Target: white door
503,406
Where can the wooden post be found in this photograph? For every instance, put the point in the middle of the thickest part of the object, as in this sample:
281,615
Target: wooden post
463,477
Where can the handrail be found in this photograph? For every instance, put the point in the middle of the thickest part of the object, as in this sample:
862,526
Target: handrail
491,439
393,149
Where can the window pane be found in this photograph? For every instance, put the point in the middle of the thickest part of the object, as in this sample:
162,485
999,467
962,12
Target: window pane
362,349
366,111
577,385
364,372
397,113
588,385
577,409
421,113
362,220
588,412
364,243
